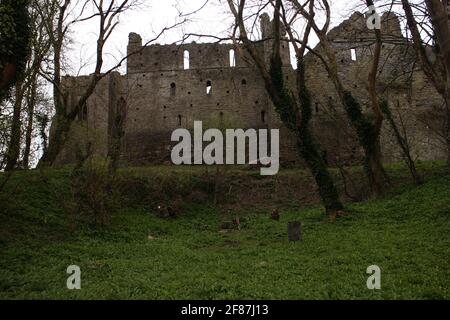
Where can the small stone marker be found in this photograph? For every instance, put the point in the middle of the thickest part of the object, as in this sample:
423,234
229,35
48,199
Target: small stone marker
295,231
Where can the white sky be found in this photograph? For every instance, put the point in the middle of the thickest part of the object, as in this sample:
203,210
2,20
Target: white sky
151,17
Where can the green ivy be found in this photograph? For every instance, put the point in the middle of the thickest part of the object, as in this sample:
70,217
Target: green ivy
288,109
15,34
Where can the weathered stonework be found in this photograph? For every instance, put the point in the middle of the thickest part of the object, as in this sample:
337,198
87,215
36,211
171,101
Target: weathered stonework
161,95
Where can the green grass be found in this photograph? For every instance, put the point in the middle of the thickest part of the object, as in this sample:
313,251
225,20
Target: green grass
407,234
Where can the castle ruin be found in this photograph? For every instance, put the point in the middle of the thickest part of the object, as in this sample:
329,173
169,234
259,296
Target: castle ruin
170,86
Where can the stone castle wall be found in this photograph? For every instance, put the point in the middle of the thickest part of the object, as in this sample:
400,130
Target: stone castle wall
162,94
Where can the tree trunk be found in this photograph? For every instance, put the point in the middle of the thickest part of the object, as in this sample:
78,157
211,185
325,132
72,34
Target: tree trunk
117,133
310,151
448,131
57,139
447,105
316,164
440,18
31,101
28,138
375,170
7,76
14,142
402,141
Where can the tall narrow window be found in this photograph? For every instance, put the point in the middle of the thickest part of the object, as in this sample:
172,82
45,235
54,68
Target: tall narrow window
179,120
173,89
263,116
208,87
186,60
232,58
353,53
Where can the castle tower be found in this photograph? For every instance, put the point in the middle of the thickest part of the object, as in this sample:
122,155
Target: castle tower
267,27
134,44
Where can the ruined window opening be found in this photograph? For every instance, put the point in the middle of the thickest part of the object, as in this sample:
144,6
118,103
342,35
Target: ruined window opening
353,54
244,82
179,120
173,89
263,116
317,107
208,87
186,60
232,58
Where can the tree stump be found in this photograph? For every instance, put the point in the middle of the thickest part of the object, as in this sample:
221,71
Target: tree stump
295,231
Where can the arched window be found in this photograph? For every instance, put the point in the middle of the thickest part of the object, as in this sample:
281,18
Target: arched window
186,60
173,89
208,87
244,82
232,58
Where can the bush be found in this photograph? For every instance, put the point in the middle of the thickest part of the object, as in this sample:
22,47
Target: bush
92,193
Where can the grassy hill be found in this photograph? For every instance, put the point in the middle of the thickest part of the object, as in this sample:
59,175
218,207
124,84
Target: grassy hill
140,255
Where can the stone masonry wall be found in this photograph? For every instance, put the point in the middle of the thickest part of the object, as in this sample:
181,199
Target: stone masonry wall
162,94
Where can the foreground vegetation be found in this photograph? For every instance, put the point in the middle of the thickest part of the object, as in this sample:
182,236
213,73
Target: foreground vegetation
140,255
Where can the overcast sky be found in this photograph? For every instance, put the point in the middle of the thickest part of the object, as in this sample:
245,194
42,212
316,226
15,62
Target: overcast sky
150,18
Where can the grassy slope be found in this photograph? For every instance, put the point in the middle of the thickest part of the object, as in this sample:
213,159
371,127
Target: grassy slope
406,234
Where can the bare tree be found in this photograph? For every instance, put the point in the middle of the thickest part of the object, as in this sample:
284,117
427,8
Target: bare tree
26,91
107,17
438,72
40,50
14,49
401,137
295,112
368,130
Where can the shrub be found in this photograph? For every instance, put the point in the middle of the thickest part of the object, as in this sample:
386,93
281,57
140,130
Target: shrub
92,193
